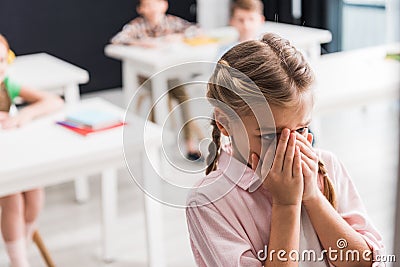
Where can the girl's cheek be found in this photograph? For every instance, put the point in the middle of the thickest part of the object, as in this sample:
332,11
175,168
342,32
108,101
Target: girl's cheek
3,67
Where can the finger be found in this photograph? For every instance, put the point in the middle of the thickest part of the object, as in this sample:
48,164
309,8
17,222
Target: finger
304,139
288,162
3,115
310,163
9,124
305,169
307,151
297,164
280,150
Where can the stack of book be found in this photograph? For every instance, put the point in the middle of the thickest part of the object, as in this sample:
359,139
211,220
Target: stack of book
87,121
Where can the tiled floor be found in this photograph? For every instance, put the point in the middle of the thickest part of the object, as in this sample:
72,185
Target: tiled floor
364,139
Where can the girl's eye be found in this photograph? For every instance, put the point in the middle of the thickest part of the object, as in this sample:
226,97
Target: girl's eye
269,137
302,130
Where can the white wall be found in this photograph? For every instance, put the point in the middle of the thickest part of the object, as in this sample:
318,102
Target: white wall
363,27
213,13
393,20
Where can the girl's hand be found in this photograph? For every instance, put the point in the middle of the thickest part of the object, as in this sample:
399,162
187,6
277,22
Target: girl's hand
285,179
15,121
3,116
309,165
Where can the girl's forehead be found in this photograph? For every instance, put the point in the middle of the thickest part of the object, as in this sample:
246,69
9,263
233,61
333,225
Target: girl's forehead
291,117
279,117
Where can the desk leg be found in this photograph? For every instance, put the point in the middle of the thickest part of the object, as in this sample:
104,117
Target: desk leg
153,211
130,81
71,93
82,192
109,211
159,88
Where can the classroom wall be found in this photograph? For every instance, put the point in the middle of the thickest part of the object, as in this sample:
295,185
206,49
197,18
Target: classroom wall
323,14
363,26
75,30
212,14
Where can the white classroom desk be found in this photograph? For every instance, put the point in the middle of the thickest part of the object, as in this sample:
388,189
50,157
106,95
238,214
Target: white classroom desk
146,62
143,61
42,154
307,39
45,72
354,78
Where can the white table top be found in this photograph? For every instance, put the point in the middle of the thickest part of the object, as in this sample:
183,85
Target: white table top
156,59
43,153
358,76
299,35
177,53
43,71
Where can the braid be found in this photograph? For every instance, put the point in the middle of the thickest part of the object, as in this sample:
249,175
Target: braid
213,148
329,191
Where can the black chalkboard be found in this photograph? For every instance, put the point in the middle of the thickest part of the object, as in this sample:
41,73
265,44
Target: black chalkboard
75,30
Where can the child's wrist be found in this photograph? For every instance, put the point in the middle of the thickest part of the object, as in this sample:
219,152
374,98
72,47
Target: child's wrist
312,200
294,206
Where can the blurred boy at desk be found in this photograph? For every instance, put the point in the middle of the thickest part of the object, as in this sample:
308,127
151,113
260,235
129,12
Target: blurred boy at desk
151,30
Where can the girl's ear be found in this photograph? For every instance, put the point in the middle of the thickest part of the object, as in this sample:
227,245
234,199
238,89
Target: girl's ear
221,119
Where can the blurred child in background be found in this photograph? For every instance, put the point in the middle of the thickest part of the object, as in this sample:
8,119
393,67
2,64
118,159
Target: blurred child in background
247,18
154,28
19,211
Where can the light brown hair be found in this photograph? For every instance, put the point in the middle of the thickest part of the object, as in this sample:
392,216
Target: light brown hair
278,70
248,5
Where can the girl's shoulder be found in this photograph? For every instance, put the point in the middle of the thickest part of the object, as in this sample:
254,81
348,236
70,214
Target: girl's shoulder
208,189
327,157
336,170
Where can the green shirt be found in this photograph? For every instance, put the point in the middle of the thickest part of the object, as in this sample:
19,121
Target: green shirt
12,88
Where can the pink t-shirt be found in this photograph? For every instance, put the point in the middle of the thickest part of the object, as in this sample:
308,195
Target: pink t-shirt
229,221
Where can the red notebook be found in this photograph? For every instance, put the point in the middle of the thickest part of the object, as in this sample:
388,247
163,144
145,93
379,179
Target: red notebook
86,131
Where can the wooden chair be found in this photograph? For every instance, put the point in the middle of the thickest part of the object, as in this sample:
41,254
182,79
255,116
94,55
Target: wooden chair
37,239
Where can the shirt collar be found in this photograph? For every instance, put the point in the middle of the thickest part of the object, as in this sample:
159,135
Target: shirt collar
237,172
